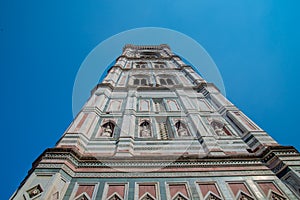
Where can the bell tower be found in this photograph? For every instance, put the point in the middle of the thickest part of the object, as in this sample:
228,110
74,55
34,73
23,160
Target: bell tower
154,129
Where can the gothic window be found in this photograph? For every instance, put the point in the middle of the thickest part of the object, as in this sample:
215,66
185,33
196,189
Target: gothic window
159,65
149,54
143,81
169,81
145,130
136,81
166,81
181,129
140,81
141,65
108,129
162,81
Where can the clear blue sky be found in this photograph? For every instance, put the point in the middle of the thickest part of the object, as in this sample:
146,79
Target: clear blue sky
254,43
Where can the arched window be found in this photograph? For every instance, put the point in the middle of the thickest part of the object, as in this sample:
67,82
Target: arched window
149,54
136,82
166,80
143,81
162,81
140,65
181,129
159,65
140,81
145,130
169,81
108,129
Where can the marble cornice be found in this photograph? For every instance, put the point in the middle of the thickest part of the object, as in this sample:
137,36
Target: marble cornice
79,160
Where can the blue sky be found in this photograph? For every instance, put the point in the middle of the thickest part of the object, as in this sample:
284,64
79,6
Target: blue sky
254,43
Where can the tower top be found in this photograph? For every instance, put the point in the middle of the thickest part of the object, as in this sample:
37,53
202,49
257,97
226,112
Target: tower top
146,47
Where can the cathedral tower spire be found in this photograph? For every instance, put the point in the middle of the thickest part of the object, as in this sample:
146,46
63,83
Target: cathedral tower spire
155,129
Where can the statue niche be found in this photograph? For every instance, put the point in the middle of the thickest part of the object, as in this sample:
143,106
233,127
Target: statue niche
108,129
219,128
145,130
181,129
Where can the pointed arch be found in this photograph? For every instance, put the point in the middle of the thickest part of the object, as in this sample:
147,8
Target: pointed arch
211,195
170,81
140,79
136,82
143,81
83,196
115,196
167,79
147,196
162,81
244,196
179,196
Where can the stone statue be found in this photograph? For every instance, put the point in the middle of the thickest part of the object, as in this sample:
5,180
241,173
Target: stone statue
145,132
219,131
107,131
182,131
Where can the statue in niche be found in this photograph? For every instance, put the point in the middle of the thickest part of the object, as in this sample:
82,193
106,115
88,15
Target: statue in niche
181,129
145,129
218,128
108,129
